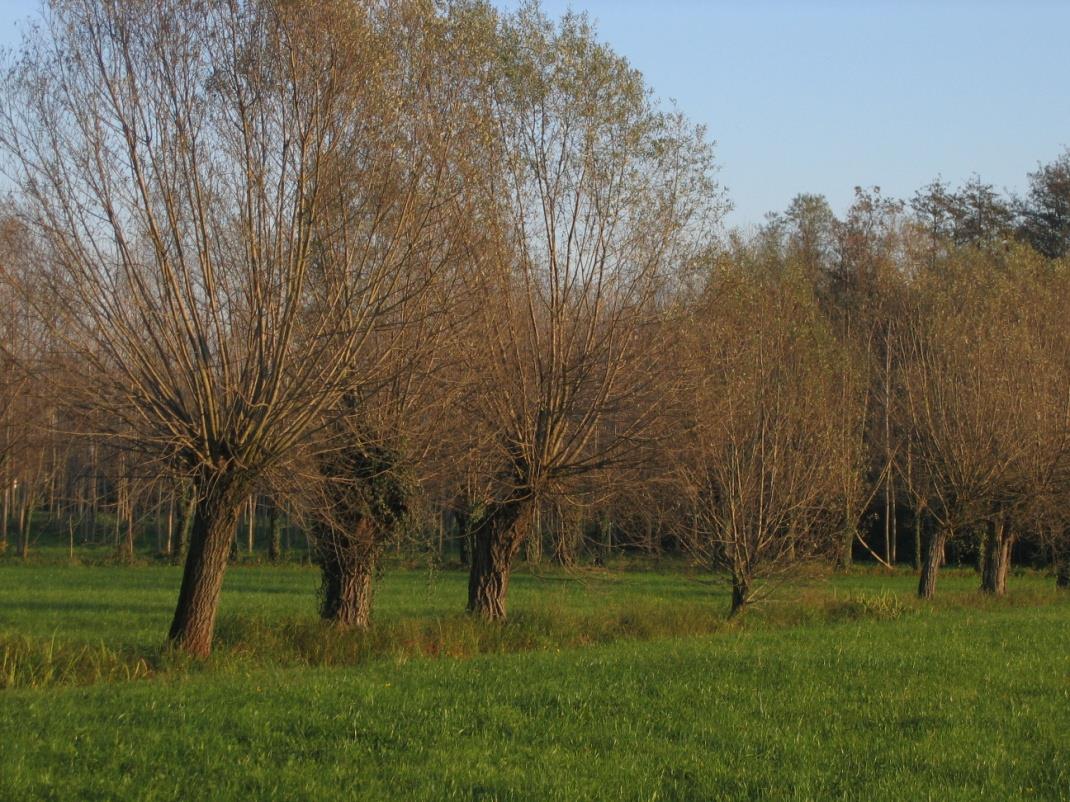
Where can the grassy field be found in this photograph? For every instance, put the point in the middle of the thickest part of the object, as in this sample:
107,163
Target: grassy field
603,686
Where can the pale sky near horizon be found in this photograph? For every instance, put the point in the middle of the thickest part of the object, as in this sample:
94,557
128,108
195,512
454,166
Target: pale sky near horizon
822,95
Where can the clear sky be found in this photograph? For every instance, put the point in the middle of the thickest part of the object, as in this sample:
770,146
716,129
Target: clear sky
821,95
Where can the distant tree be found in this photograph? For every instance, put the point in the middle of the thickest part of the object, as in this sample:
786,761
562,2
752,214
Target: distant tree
1045,211
974,214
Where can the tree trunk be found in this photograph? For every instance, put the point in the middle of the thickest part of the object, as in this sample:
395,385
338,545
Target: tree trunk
169,546
741,595
25,523
126,550
217,507
346,589
6,515
1062,573
250,531
931,566
185,524
846,556
496,541
996,551
274,533
918,522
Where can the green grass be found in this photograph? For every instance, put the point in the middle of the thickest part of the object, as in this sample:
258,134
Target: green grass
841,690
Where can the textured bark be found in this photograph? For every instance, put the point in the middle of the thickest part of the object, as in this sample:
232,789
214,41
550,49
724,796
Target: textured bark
495,543
346,591
185,525
347,562
934,555
996,555
215,515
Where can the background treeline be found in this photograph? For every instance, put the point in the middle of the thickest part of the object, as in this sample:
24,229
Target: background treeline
351,279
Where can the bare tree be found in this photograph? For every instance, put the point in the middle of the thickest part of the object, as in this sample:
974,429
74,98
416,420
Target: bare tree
217,275
595,198
759,461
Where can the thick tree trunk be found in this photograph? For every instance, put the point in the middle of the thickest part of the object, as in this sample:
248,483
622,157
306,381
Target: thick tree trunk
495,543
346,591
934,555
996,553
216,511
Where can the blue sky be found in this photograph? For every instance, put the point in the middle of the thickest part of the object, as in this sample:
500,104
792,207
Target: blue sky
811,96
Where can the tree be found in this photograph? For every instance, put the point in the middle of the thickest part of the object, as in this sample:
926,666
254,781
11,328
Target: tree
968,402
975,214
1045,212
593,197
216,274
758,460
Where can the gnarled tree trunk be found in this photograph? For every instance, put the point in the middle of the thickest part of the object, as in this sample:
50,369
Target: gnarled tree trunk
347,563
495,543
346,591
934,555
217,507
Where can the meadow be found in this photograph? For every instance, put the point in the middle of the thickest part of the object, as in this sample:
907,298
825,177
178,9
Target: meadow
602,685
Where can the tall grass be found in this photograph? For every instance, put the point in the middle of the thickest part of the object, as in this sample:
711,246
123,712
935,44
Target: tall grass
262,626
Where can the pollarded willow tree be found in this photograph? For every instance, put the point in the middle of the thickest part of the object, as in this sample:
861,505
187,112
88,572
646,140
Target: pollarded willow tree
217,275
369,460
768,412
592,198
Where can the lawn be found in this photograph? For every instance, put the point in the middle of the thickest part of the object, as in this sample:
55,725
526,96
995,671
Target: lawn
844,689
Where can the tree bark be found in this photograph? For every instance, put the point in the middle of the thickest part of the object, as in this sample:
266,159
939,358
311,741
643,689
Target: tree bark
996,551
496,541
931,566
346,589
185,525
217,507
